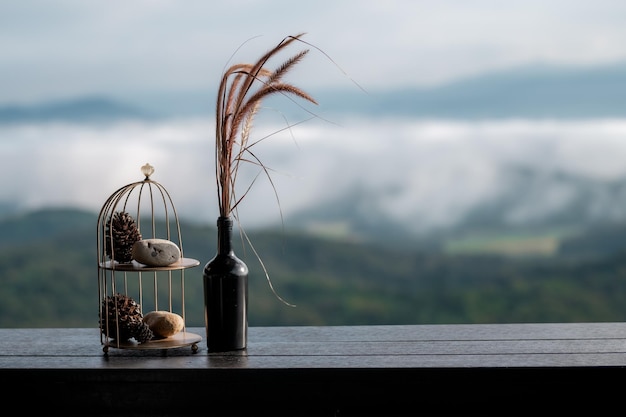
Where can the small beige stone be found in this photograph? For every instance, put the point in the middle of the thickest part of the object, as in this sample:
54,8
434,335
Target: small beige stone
163,323
155,252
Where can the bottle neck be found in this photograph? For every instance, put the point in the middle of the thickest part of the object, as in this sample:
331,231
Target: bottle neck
224,235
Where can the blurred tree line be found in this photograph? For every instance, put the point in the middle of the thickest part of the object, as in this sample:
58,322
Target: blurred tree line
48,270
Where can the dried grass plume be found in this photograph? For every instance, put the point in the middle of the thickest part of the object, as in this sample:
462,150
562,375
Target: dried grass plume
242,89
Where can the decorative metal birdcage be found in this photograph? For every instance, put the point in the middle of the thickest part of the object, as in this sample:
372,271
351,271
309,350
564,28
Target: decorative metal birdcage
140,219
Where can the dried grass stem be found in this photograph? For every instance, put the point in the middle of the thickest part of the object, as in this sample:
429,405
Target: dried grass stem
242,89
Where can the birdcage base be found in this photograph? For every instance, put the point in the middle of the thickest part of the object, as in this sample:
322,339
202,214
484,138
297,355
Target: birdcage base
178,340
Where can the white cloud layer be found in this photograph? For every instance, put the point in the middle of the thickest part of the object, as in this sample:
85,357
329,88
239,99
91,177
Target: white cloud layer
422,173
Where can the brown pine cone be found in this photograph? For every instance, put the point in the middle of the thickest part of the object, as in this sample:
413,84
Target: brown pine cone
120,236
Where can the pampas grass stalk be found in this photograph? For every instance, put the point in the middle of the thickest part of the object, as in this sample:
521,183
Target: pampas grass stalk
242,89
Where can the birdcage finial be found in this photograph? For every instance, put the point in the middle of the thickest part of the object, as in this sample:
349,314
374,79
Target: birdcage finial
147,170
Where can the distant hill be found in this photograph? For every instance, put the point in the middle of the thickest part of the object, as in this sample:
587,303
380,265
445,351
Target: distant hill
22,228
529,202
527,92
81,109
49,279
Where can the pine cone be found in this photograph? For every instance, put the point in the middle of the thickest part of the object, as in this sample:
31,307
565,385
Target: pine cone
142,333
123,316
120,236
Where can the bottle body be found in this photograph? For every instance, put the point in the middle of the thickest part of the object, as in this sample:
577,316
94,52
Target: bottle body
225,280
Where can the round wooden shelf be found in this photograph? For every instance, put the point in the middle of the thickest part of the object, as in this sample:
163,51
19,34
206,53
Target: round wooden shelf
135,266
180,339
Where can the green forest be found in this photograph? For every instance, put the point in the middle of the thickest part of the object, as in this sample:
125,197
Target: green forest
49,277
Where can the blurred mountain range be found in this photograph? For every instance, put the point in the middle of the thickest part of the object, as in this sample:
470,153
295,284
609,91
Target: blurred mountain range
542,206
527,92
47,264
82,109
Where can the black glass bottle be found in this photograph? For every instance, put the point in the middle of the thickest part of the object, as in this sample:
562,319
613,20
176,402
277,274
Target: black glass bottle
225,294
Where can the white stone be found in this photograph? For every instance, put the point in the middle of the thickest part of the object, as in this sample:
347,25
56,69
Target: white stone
155,252
163,323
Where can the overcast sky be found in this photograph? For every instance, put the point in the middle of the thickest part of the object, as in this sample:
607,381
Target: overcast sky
52,49
62,48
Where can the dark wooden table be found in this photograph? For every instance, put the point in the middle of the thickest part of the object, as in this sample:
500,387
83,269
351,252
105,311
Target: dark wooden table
499,369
